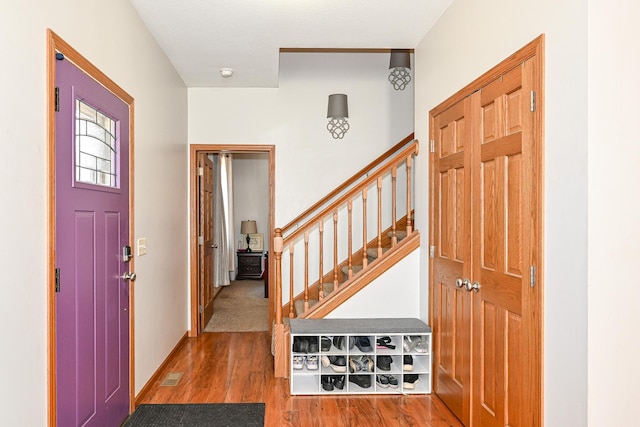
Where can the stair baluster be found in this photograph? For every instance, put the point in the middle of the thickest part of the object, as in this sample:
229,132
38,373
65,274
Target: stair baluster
306,271
321,256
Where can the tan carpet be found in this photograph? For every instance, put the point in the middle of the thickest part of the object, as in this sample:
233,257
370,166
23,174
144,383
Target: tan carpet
240,307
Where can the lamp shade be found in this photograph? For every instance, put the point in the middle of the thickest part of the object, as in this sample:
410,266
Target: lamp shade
248,227
338,105
400,58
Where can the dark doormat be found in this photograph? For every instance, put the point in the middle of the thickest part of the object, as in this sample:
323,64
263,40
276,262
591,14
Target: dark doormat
198,415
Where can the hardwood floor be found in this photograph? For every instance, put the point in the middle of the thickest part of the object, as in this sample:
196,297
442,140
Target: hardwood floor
238,367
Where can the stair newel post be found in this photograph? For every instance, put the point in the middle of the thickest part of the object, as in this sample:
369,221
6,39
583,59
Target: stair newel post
277,250
349,239
365,258
321,267
394,202
280,360
409,219
379,216
291,295
306,271
335,251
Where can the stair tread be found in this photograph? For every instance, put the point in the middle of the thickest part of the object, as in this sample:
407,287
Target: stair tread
372,253
354,268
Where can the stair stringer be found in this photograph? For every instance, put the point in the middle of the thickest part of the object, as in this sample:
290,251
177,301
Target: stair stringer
365,277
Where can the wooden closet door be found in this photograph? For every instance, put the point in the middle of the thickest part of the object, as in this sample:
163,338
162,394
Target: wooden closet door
486,216
451,228
502,224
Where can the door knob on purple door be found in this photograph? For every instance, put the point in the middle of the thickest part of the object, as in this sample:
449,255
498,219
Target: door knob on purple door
129,276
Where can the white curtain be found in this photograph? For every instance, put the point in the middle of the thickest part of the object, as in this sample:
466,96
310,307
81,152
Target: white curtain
224,261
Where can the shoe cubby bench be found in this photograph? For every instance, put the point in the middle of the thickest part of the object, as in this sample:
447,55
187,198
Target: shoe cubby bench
360,356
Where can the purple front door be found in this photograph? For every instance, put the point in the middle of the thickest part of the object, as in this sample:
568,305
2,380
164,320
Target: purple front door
92,227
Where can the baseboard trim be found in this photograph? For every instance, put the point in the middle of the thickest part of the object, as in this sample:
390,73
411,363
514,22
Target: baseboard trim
156,376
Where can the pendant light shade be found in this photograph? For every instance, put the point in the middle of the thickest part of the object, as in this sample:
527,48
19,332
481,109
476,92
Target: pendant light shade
338,112
400,66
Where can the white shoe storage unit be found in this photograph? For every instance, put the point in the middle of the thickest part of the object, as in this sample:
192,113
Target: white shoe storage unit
309,381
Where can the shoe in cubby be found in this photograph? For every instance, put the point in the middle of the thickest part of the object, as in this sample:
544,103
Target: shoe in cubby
384,362
363,344
409,381
360,364
385,343
336,363
407,362
362,381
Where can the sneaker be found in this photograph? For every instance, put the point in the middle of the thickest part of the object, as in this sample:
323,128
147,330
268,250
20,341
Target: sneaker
393,381
421,345
382,381
298,362
363,344
360,364
311,362
337,363
409,381
407,343
407,362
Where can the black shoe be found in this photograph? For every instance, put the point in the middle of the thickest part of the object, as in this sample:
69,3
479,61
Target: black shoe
313,345
338,381
384,362
382,381
409,381
363,381
338,342
363,344
393,382
407,363
325,343
385,342
300,345
337,363
327,383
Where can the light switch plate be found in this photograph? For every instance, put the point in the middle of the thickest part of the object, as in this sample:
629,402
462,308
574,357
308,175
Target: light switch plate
142,246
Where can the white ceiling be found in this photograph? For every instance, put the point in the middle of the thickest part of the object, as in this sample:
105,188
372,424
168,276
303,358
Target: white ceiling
202,36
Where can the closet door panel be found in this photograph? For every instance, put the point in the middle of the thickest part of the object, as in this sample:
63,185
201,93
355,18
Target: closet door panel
451,227
499,272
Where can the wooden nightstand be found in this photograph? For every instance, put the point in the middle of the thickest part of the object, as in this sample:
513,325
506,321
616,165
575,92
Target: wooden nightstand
249,265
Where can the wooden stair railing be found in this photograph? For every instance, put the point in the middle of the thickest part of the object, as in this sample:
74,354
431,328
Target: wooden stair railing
314,242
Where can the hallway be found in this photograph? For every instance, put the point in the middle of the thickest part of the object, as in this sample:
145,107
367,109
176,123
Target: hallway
238,367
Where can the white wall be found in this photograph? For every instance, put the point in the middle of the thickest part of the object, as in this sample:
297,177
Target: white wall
309,162
470,38
251,194
614,228
114,39
394,294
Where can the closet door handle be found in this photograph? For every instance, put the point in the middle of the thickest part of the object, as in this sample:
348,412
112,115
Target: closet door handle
475,286
460,283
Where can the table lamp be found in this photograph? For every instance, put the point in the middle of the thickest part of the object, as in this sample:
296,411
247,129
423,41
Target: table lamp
248,227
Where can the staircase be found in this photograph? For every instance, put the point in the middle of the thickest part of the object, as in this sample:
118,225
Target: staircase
344,242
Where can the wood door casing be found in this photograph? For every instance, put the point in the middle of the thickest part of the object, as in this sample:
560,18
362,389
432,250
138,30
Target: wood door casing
451,228
503,142
205,209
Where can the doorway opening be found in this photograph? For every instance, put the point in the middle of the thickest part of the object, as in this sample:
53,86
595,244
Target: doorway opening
197,238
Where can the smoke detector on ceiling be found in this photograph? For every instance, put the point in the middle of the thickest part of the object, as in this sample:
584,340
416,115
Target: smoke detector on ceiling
226,72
